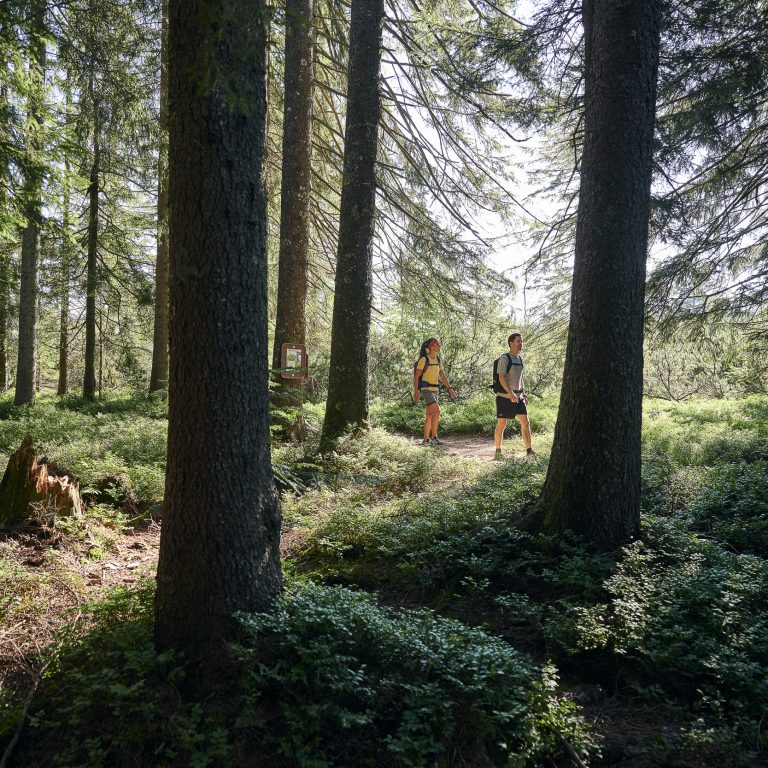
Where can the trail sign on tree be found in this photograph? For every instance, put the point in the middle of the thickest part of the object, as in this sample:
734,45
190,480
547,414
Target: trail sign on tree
293,361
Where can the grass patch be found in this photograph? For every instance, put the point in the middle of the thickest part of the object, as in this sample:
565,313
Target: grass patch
371,472
706,433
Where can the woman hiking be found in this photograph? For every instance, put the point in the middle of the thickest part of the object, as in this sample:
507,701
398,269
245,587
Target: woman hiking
427,372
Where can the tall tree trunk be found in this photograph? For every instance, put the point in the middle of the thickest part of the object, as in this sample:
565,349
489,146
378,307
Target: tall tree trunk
593,483
290,321
5,247
101,348
347,403
91,282
66,259
219,550
63,383
5,277
158,378
30,242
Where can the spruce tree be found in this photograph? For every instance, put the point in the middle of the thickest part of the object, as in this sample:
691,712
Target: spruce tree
158,378
34,171
219,549
290,317
347,403
593,482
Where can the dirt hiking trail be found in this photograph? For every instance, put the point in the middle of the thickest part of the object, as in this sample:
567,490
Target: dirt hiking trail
478,447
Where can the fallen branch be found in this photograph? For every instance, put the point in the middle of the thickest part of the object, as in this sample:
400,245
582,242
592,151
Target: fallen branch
23,716
568,748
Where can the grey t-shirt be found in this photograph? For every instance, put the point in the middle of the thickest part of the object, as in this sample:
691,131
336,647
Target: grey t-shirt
513,372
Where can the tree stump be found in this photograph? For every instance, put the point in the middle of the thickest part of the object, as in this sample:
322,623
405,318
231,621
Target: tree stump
30,481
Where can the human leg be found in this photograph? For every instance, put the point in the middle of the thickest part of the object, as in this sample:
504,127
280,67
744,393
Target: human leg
498,435
525,429
428,423
430,400
505,409
435,418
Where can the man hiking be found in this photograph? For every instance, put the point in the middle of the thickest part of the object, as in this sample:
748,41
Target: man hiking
427,372
510,396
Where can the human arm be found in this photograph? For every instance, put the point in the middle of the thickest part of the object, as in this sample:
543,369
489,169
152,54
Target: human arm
503,379
445,382
417,371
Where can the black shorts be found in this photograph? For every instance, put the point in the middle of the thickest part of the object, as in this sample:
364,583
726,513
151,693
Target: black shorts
507,409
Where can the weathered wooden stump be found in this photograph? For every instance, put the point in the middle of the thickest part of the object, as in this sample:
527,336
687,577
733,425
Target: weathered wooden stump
31,480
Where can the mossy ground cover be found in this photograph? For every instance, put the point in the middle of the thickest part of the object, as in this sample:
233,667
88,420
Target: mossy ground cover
476,415
95,439
675,623
420,625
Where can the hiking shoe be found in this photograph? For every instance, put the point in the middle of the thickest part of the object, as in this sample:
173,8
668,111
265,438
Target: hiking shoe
426,442
436,441
498,456
531,454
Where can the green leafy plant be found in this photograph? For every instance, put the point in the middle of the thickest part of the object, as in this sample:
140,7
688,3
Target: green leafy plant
354,683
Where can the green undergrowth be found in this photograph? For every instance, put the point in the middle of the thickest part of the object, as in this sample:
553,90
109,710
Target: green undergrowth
422,626
678,619
476,415
370,472
95,439
706,432
328,679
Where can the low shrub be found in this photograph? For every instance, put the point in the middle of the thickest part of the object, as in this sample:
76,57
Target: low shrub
474,416
328,679
356,684
730,503
689,618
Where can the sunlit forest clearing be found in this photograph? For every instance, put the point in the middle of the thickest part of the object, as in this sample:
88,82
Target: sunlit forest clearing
384,384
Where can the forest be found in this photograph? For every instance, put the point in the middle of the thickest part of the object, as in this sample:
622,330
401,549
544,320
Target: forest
383,383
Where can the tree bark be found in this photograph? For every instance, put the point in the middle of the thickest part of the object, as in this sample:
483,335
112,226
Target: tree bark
66,258
347,403
63,382
593,482
104,310
32,203
5,249
91,284
290,321
158,378
219,550
5,277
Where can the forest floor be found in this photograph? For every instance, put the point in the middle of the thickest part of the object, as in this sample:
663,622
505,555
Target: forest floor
50,583
659,657
67,578
477,447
